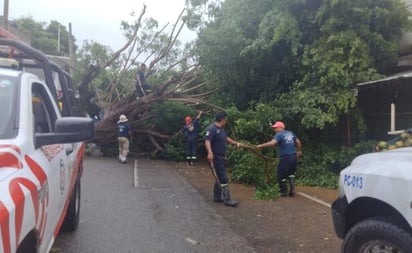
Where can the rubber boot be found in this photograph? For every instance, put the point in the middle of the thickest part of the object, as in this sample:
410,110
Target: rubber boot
217,194
227,199
292,185
283,188
194,159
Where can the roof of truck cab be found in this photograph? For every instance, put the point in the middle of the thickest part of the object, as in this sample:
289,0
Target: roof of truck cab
10,72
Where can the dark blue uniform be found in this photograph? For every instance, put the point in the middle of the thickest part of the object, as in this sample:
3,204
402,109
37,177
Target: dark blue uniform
217,137
123,129
191,131
146,87
288,160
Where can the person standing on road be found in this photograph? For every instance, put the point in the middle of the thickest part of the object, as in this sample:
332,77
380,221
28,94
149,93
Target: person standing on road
190,129
290,148
142,88
215,142
124,133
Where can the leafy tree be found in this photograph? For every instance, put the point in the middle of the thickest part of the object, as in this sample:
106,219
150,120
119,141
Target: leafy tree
305,56
220,47
356,41
44,36
94,54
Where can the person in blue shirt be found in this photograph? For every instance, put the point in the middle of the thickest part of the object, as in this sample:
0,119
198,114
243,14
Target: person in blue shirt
290,148
215,142
142,87
124,134
190,129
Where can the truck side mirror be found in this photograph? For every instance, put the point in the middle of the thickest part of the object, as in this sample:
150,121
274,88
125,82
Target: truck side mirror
67,130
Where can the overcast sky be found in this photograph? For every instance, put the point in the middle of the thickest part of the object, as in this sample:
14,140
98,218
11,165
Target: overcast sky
97,20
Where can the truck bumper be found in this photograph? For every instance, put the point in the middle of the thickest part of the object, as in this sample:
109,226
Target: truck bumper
339,208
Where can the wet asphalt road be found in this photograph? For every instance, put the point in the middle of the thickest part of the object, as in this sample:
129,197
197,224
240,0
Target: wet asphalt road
163,213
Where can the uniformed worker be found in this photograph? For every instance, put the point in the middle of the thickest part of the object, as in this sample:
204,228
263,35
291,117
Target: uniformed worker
215,142
191,131
290,148
142,87
124,133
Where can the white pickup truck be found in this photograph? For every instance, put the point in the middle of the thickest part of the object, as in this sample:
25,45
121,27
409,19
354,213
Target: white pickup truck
41,153
374,210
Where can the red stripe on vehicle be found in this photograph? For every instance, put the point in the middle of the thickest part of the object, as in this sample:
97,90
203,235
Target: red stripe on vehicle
36,169
5,228
17,196
42,177
8,160
11,146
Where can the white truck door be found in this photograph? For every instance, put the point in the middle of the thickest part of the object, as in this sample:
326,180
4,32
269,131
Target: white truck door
54,161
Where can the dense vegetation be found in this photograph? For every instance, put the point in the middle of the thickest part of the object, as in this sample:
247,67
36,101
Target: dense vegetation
299,61
292,60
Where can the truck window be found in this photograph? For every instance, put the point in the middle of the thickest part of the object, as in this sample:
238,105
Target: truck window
8,95
44,116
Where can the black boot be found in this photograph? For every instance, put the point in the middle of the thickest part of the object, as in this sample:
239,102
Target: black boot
283,188
292,185
226,197
217,193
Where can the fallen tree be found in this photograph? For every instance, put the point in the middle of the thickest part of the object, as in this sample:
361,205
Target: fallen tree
184,85
139,112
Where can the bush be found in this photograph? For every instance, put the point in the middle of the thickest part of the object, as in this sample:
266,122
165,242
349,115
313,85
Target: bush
267,191
170,116
321,164
246,168
175,148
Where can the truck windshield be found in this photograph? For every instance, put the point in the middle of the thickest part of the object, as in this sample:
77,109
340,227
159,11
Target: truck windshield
8,90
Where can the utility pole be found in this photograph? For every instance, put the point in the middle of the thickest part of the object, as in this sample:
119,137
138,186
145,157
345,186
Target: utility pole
58,39
6,15
71,53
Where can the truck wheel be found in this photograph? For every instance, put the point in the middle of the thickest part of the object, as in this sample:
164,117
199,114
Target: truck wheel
373,235
71,221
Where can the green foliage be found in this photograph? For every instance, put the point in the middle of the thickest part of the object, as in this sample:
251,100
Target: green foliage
253,125
307,53
246,168
322,160
298,61
175,148
45,37
321,164
170,116
243,76
267,192
169,119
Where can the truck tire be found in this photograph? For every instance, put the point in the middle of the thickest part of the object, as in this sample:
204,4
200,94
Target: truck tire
374,235
71,221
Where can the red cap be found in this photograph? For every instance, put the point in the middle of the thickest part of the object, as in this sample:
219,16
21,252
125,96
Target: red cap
278,124
188,120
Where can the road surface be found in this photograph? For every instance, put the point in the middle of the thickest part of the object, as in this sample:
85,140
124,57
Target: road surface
167,207
164,213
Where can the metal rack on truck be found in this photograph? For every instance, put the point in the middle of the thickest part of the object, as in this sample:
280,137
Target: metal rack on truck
32,60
